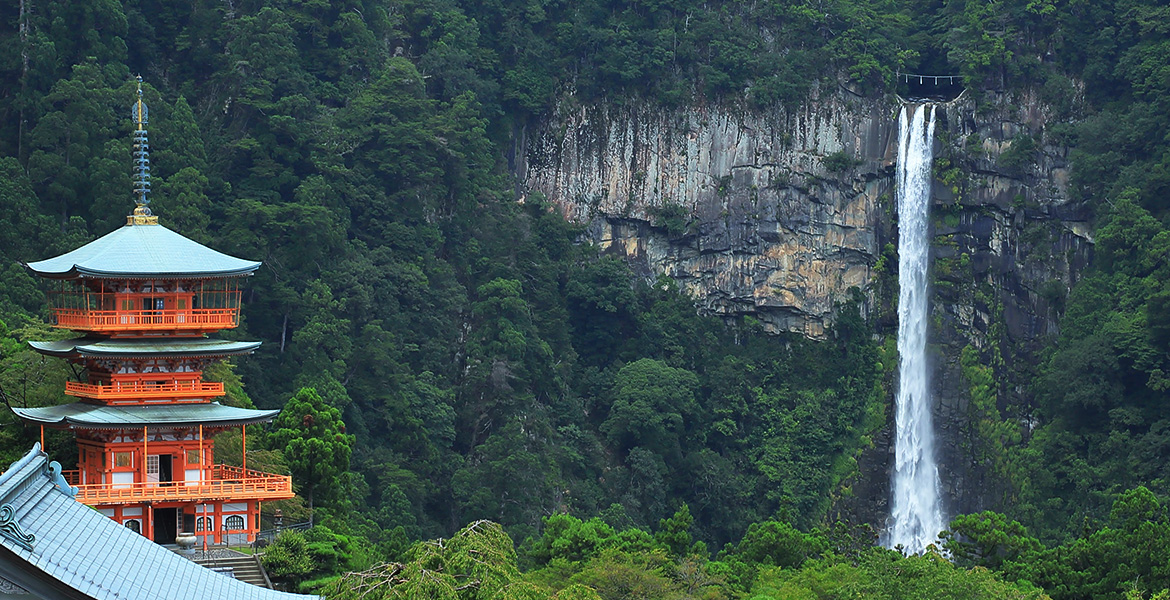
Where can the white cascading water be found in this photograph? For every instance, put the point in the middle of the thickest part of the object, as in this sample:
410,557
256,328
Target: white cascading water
917,517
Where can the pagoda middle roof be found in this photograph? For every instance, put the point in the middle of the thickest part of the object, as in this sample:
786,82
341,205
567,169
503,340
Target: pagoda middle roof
98,347
80,415
143,252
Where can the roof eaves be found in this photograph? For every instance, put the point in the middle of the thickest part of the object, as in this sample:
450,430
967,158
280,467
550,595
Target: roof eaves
79,271
87,346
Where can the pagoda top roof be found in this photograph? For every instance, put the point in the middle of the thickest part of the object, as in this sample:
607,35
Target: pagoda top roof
143,251
97,347
80,415
56,547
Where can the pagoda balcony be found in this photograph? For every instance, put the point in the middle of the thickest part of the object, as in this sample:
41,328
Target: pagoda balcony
195,320
137,390
226,483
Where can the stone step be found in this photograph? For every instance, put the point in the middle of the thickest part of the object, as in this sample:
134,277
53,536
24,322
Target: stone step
235,560
243,567
253,576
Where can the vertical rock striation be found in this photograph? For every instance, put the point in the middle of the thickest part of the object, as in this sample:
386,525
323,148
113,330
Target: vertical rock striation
739,207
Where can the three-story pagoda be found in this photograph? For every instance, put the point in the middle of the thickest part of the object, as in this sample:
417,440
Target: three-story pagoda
144,299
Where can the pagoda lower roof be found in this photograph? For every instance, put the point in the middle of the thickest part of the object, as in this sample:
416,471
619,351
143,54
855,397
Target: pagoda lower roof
143,252
99,347
81,415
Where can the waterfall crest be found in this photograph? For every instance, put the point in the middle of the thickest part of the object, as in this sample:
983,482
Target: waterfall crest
916,517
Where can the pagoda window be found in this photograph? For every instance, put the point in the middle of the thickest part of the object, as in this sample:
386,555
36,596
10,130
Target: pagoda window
193,457
233,523
133,525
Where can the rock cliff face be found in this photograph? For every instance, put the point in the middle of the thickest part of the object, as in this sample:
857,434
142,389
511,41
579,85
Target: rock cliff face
778,214
1009,243
738,207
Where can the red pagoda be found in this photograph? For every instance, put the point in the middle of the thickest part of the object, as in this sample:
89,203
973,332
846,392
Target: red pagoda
144,299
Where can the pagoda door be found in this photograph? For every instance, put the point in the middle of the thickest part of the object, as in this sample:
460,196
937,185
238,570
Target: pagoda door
153,308
158,468
166,524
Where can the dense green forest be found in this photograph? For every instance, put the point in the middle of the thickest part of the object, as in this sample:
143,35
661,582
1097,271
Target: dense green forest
466,357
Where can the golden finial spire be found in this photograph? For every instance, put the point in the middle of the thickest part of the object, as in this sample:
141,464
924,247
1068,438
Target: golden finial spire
139,114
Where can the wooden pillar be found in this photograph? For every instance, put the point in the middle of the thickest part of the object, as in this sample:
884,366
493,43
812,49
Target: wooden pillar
143,462
244,451
42,438
148,526
202,470
255,524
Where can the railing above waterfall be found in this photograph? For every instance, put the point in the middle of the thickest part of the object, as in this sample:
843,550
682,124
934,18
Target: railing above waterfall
932,88
932,79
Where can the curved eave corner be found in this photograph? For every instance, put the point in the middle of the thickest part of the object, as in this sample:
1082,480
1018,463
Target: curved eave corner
77,271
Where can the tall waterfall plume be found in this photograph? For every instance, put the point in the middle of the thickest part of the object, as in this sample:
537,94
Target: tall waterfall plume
917,512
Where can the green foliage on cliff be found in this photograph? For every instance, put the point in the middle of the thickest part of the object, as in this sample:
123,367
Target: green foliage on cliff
1100,394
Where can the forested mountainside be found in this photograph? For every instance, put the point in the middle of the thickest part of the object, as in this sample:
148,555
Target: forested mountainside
482,361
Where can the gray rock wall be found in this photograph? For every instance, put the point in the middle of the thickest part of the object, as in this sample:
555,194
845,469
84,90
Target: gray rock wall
765,229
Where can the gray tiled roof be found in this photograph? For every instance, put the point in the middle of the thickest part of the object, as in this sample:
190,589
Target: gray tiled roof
135,347
78,547
98,416
142,252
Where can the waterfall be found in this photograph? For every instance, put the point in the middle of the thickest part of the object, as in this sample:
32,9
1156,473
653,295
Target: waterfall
917,517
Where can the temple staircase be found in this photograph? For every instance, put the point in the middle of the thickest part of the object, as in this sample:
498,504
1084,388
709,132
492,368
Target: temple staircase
245,567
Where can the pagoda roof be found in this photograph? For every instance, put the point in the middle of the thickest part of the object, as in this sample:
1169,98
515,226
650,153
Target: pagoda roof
82,415
100,347
143,252
53,546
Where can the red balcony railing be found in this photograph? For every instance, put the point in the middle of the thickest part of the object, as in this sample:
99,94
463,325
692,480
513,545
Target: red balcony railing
226,483
139,390
201,319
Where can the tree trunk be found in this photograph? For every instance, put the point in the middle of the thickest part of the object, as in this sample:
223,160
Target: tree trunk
25,9
283,332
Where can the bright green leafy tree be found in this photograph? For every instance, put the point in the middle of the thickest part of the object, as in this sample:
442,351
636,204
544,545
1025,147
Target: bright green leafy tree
312,437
